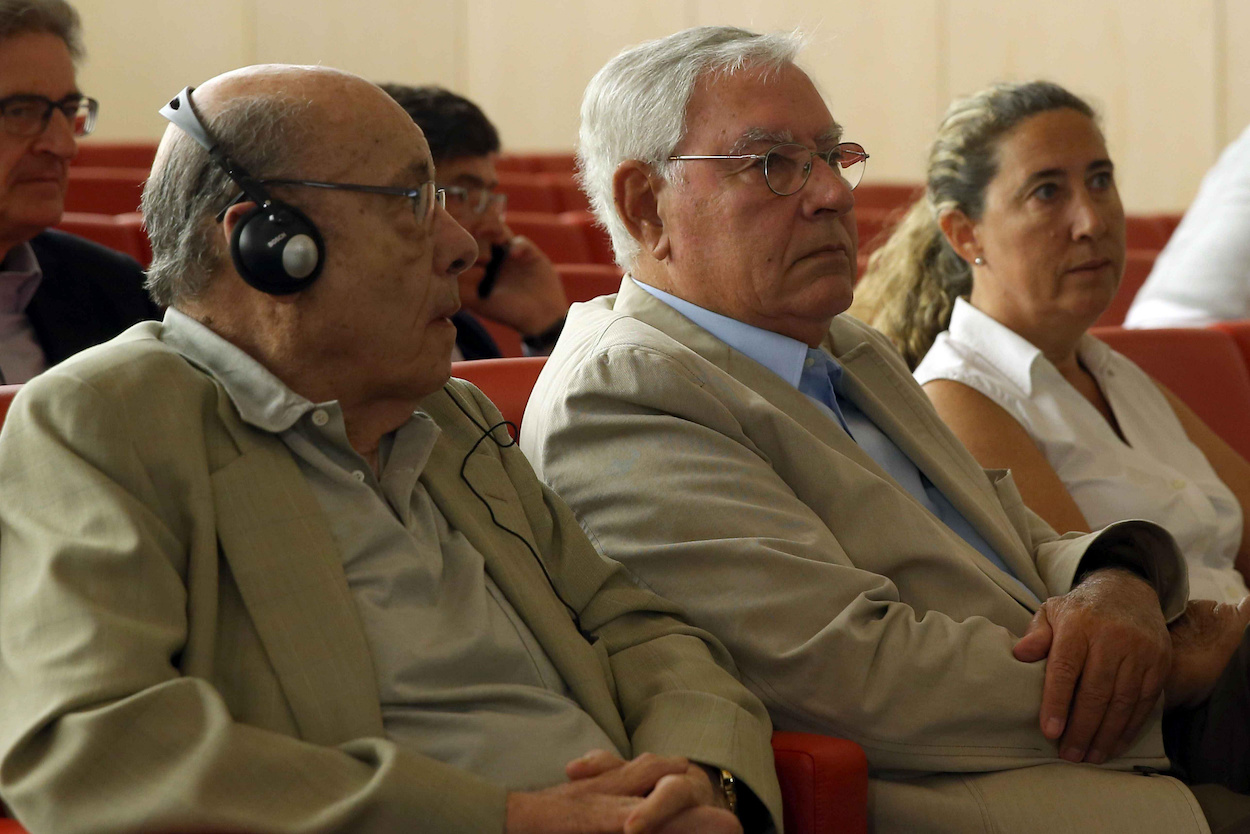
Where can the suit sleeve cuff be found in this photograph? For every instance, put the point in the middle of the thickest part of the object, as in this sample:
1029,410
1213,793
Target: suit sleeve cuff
1146,549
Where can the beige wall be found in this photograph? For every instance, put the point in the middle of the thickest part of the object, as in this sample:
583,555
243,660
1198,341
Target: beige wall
1173,86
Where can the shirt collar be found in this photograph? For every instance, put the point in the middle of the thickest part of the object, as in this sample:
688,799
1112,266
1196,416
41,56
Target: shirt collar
780,354
1012,355
20,275
261,398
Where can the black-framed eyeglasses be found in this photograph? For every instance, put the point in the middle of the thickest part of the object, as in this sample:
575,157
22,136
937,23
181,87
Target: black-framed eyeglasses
26,114
788,165
476,199
424,197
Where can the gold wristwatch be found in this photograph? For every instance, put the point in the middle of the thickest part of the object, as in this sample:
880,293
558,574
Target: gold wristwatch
729,787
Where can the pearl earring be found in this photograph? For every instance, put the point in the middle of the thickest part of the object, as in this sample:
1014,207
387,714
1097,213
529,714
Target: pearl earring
979,261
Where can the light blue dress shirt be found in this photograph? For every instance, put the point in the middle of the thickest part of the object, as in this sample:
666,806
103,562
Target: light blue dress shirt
819,376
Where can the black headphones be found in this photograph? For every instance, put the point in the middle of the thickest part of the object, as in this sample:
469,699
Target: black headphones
275,247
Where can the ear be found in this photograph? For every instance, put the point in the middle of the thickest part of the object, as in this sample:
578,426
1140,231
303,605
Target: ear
232,217
960,233
634,190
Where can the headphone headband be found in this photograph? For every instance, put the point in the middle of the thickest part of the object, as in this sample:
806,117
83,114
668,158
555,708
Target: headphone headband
181,111
275,247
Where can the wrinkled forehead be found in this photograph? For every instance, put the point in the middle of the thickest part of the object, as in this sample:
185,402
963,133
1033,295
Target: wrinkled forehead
760,106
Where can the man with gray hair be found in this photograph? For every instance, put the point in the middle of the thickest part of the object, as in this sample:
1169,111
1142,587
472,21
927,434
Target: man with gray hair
58,292
771,466
264,568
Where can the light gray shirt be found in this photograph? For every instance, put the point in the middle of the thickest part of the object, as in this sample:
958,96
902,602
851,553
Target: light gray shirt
21,355
460,676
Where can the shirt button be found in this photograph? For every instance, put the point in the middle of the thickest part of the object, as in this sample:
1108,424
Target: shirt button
809,362
359,476
320,418
1178,484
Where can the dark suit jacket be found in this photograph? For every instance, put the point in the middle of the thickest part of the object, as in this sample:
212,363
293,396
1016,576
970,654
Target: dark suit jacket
88,294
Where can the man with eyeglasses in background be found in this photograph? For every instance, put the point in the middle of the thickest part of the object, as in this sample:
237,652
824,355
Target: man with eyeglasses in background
263,567
513,282
770,465
58,292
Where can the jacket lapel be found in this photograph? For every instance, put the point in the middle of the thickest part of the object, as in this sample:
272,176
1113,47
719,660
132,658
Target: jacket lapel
282,555
884,396
515,570
901,411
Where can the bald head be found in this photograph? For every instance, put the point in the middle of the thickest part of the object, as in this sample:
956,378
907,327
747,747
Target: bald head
275,120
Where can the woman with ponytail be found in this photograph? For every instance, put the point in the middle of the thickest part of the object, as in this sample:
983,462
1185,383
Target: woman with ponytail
988,287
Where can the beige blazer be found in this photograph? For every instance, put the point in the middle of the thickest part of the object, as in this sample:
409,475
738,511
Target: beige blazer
179,649
849,608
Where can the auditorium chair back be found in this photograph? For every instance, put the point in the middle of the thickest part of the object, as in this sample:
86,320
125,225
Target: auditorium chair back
507,382
121,232
1137,266
95,153
1240,333
1201,366
583,282
105,190
7,393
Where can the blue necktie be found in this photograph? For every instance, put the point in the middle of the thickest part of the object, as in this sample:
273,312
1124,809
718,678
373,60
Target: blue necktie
821,381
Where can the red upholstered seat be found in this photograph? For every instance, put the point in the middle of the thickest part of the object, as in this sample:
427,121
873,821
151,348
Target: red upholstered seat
1137,266
886,196
507,382
875,227
1201,366
583,282
96,153
104,190
7,392
122,232
563,239
530,192
824,783
1240,332
1150,231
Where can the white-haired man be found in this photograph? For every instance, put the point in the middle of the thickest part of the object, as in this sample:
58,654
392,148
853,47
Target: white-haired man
771,466
264,569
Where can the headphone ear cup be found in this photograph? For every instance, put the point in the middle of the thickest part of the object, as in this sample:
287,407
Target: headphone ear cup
277,249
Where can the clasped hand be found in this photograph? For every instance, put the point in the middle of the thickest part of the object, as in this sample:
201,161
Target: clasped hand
607,795
1108,655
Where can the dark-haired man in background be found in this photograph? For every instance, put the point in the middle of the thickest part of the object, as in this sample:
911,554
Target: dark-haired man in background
58,293
525,290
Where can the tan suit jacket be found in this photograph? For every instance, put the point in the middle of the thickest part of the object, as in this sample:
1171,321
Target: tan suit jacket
179,649
849,608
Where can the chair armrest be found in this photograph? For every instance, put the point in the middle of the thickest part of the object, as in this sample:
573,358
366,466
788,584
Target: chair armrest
824,783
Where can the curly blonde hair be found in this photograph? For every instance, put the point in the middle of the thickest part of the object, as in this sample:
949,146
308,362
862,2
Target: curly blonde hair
912,281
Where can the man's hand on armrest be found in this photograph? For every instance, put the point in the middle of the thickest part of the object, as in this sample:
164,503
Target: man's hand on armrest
1107,654
660,794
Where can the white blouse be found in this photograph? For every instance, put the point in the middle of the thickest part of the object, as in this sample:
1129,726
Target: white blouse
1158,474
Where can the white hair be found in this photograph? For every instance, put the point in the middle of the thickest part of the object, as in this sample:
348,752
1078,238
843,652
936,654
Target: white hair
635,107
